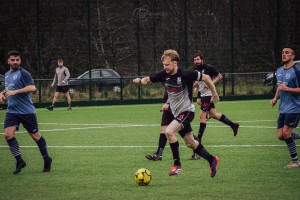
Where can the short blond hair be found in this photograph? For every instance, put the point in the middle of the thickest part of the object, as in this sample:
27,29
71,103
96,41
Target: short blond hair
171,54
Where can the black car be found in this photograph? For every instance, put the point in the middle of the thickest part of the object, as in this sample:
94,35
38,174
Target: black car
101,78
2,83
269,78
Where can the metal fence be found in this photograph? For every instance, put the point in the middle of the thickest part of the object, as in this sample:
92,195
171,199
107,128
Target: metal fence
245,84
130,36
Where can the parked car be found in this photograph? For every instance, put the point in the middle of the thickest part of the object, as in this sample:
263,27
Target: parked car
2,83
101,78
269,78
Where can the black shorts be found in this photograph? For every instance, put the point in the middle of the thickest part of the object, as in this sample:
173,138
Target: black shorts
206,103
290,120
185,120
29,121
62,88
167,117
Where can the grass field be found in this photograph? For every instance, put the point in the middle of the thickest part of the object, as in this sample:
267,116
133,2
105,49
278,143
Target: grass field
96,151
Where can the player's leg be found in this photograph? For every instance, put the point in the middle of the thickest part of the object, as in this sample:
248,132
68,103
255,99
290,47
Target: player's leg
41,143
161,146
186,133
202,126
29,122
69,100
290,122
195,156
67,93
11,124
200,149
203,113
166,118
291,147
222,118
295,135
56,94
171,130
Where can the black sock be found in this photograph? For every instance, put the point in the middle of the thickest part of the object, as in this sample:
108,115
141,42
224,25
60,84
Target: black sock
296,135
292,148
203,153
175,151
161,144
201,131
43,148
226,121
196,138
14,148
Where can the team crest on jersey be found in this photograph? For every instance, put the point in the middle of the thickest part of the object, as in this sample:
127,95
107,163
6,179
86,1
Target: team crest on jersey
15,77
178,80
287,76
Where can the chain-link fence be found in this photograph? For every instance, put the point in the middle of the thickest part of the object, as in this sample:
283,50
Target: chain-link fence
130,36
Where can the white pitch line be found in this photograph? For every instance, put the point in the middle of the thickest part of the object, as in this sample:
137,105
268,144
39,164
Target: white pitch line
136,125
96,127
208,122
98,147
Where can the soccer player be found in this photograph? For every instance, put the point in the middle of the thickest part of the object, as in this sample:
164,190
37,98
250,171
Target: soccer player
179,85
166,118
204,96
18,92
288,90
61,77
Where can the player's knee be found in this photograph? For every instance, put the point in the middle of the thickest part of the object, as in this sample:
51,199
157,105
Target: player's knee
280,137
35,136
8,134
189,145
169,134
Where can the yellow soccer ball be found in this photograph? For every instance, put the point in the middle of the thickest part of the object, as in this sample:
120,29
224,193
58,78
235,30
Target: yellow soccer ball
142,177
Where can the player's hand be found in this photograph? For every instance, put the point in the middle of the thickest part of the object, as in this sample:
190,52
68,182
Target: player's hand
273,102
52,85
215,98
165,106
2,96
10,93
63,82
282,86
137,80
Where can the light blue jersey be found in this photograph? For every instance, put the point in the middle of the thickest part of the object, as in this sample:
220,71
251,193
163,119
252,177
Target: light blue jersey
289,102
19,103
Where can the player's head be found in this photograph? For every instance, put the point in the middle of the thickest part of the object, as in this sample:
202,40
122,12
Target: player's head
14,59
288,54
170,60
60,62
198,59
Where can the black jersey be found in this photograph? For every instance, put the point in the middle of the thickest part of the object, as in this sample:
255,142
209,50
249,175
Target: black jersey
208,70
179,87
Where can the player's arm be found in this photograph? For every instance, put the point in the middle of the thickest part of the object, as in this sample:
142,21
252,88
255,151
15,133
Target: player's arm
67,75
165,106
217,78
284,87
211,86
26,89
2,95
142,81
276,97
54,80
